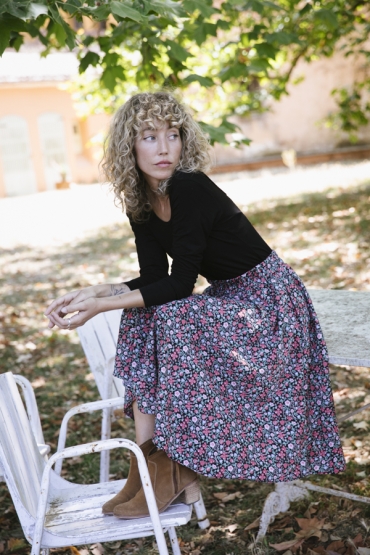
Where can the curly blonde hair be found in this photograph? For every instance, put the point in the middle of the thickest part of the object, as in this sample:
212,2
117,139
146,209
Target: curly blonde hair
119,163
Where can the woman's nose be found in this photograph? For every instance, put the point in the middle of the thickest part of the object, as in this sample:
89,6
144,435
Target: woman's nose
162,145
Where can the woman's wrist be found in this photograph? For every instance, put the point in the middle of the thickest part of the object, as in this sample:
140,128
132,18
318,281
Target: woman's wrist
119,289
131,299
110,289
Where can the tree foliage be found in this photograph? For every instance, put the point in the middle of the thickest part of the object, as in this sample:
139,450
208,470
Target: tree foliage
232,56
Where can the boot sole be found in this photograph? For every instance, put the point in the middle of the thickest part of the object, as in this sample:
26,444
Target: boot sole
189,495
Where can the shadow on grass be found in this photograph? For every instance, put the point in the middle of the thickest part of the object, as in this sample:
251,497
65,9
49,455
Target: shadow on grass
324,236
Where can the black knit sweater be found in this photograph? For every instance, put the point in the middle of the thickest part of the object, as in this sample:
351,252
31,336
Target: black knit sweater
207,235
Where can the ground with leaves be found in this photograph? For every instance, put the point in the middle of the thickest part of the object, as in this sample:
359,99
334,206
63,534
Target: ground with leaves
326,237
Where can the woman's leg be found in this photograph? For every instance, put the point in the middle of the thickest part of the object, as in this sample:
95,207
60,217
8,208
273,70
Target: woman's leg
144,425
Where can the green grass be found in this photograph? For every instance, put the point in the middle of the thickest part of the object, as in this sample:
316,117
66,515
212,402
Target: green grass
325,237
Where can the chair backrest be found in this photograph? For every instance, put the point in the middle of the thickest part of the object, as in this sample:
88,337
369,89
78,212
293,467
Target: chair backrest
22,464
99,341
31,407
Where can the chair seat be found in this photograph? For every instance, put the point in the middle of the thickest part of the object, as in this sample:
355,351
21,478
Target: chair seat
75,512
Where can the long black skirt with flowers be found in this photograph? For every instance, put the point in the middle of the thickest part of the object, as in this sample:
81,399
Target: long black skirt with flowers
237,378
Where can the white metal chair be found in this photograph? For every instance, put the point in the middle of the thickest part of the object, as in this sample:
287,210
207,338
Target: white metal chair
99,341
56,513
33,416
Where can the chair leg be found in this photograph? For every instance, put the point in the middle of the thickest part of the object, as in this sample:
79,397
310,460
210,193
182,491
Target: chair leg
201,513
278,501
174,541
104,455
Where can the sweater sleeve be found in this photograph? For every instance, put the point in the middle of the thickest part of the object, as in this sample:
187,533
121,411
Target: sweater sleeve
152,257
191,223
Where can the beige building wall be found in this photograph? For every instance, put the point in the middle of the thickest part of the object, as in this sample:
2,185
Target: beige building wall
295,122
30,101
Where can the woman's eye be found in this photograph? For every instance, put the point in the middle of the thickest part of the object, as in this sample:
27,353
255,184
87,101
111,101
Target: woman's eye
149,138
174,136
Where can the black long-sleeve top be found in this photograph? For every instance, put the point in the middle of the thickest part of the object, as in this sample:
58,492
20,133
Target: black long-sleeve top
207,234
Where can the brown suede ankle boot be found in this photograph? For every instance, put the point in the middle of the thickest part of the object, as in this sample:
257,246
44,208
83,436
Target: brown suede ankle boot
133,483
169,479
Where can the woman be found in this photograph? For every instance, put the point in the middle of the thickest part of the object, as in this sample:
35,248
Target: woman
232,383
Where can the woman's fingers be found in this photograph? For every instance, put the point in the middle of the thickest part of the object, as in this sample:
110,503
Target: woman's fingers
83,311
67,323
57,304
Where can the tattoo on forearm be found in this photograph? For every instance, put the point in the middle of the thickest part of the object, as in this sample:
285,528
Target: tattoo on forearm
119,289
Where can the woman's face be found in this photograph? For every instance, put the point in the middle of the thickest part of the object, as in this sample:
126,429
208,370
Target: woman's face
157,152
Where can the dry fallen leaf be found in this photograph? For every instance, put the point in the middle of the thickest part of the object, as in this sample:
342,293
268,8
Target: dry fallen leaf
220,495
232,527
254,524
294,544
207,538
224,497
364,550
15,543
231,497
282,524
310,523
336,547
319,549
363,425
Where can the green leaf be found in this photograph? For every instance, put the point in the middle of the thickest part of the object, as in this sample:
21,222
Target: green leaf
71,37
16,42
59,33
88,40
266,50
37,9
126,12
165,8
72,6
257,65
17,10
204,81
202,31
255,6
90,59
68,36
111,59
222,24
4,37
274,6
99,14
256,32
327,17
193,5
176,51
281,37
111,75
218,134
236,70
13,23
307,8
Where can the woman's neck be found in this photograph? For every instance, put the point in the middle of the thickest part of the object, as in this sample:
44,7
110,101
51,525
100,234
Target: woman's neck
161,205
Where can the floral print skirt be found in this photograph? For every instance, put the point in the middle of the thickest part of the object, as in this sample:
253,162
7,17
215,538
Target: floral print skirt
237,378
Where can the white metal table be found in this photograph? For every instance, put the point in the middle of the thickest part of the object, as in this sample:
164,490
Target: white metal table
345,320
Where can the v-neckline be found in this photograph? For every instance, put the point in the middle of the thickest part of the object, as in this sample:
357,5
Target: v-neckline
160,219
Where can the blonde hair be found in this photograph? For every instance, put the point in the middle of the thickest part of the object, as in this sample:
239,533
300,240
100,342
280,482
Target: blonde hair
119,163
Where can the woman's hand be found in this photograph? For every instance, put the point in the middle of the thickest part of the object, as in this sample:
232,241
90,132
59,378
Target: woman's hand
56,307
83,309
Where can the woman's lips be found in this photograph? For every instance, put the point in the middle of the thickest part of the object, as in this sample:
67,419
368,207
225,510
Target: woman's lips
163,164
